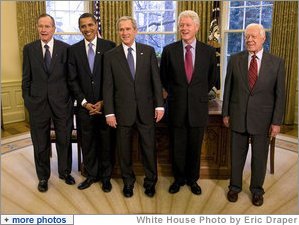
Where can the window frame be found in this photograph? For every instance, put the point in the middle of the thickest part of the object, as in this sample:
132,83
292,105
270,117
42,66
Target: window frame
158,32
86,9
225,18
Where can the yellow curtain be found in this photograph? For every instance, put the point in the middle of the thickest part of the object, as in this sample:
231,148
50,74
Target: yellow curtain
27,14
204,11
110,12
284,43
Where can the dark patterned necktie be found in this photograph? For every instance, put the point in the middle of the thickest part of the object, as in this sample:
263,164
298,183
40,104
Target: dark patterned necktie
252,72
130,60
47,58
188,63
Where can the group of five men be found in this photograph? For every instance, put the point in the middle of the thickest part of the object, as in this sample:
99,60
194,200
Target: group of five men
118,89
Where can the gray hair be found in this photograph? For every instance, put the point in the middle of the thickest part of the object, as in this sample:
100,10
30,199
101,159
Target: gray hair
125,18
190,13
47,15
259,26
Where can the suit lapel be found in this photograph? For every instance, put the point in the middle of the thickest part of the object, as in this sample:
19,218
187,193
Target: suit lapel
39,53
180,59
262,73
139,60
199,59
54,57
85,64
123,61
244,69
97,55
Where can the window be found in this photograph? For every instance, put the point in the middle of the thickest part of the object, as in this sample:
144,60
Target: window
66,14
236,16
156,22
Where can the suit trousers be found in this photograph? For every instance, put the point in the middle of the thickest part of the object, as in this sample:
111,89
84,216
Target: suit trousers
97,148
40,134
186,144
148,152
259,156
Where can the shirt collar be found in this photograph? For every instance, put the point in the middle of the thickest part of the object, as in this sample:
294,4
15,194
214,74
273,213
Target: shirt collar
193,44
259,54
133,46
94,42
50,43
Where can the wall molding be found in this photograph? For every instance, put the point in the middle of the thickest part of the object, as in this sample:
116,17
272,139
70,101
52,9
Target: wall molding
12,106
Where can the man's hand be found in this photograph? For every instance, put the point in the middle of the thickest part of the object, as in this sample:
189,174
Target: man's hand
226,121
158,115
274,130
99,106
111,121
93,108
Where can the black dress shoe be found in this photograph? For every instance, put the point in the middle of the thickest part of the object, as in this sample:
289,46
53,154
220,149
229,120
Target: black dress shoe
86,184
128,191
174,188
106,186
68,179
257,199
195,188
150,191
232,196
42,185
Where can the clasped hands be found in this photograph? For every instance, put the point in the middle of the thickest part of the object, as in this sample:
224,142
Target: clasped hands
94,108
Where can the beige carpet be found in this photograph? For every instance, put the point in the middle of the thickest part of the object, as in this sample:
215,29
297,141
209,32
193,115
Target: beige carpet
19,194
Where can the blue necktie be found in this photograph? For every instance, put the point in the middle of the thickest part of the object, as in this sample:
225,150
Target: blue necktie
130,60
47,58
90,56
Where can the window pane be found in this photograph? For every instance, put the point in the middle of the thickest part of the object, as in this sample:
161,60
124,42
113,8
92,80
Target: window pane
267,3
236,18
168,21
250,3
154,23
157,41
141,19
267,42
252,15
66,14
236,3
234,43
70,39
267,17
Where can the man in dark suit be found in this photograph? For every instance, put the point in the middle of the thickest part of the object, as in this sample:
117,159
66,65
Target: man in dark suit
253,107
46,96
132,90
85,71
188,73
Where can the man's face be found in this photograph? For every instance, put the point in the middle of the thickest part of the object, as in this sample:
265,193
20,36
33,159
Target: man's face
89,28
127,32
254,39
188,29
45,28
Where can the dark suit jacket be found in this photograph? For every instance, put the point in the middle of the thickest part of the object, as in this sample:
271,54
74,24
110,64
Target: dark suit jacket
126,97
254,112
83,82
41,88
188,100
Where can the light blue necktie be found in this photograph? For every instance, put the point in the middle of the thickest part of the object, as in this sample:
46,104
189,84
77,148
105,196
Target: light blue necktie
130,60
90,56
